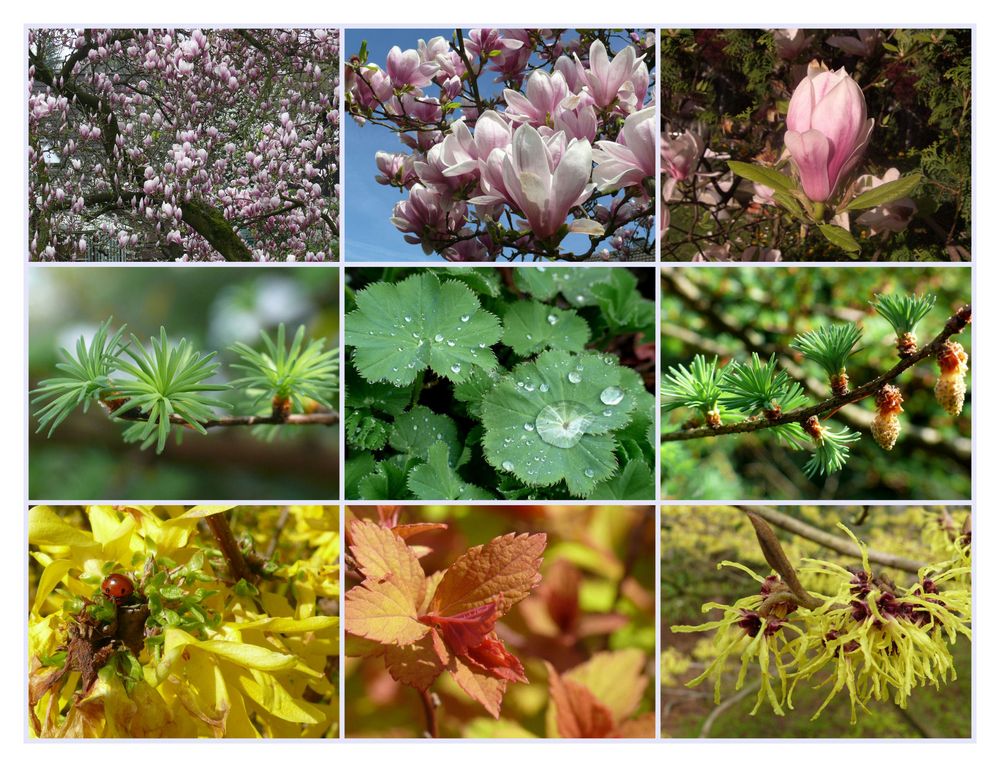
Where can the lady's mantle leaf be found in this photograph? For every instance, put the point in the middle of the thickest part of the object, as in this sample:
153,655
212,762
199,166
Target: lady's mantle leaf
384,607
529,327
436,480
575,285
420,429
501,572
549,420
399,330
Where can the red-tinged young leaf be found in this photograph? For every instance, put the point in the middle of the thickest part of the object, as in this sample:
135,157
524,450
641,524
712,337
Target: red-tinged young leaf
465,630
384,611
408,531
481,686
418,664
495,658
615,679
506,569
381,554
578,713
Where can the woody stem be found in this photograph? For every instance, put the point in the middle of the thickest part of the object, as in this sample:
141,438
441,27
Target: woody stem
430,713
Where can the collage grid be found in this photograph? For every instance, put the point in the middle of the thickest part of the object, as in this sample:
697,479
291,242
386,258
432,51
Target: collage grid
450,632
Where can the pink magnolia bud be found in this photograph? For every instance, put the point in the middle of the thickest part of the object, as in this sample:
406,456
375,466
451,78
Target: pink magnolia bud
828,130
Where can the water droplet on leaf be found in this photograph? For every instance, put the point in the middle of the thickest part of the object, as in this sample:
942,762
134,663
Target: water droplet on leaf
574,377
563,424
612,395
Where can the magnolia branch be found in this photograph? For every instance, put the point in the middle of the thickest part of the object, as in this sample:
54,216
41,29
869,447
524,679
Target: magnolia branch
955,324
828,540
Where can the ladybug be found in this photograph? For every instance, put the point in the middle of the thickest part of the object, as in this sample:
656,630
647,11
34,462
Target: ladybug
118,588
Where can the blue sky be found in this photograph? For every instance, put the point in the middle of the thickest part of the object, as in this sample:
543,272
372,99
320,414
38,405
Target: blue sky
369,236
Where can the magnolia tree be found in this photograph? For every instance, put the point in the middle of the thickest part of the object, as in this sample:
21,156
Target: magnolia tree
184,144
513,139
803,172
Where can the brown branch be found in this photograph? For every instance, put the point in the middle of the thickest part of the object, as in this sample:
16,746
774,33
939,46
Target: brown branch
294,419
430,704
229,547
828,540
955,324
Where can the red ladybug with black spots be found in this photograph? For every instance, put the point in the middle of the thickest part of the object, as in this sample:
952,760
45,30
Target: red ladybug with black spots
118,588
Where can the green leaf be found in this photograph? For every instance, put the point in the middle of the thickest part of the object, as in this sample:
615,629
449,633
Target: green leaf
635,483
530,327
364,430
381,397
484,281
549,420
420,429
767,176
575,285
437,481
399,330
388,481
622,307
885,193
357,468
839,237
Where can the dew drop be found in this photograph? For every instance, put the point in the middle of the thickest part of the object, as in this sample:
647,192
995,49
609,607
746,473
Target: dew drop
451,343
528,336
529,427
439,338
543,388
588,473
465,318
579,298
507,466
612,395
407,318
529,387
607,413
574,377
563,424
552,319
456,368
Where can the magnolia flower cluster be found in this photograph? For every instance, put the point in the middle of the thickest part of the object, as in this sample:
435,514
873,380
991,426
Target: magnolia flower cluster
185,142
505,171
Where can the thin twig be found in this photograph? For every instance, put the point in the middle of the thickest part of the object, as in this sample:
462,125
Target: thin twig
955,324
728,703
293,419
830,541
229,547
430,713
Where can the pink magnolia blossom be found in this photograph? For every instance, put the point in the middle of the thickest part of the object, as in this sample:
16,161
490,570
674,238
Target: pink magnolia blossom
828,130
544,181
606,77
407,68
540,102
893,216
632,158
679,155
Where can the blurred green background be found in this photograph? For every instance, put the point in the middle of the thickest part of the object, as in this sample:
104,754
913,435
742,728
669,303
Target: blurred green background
732,311
213,307
695,538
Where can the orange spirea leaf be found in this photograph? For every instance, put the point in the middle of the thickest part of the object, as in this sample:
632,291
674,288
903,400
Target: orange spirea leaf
383,611
379,552
579,714
506,569
616,679
478,684
418,664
